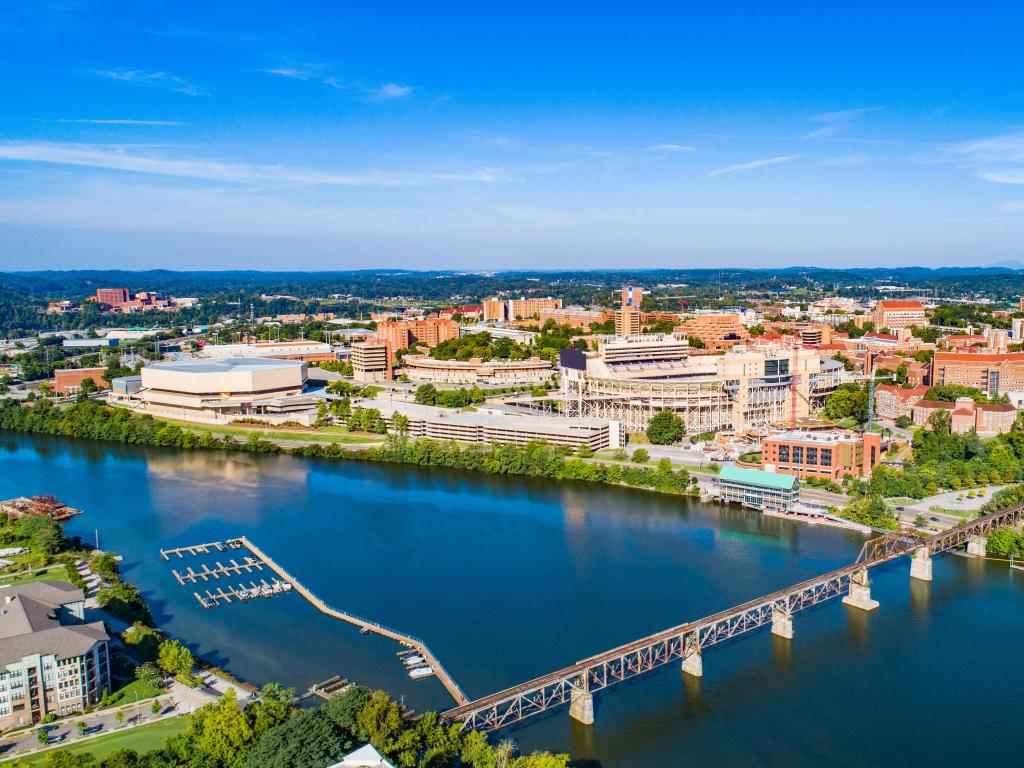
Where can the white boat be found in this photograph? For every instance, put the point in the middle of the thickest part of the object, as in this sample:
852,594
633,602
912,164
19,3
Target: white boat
420,672
286,586
412,661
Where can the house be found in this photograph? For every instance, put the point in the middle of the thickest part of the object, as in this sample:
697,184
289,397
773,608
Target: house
891,401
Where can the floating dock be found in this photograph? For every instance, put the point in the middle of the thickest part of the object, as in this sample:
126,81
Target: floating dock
202,549
191,576
365,625
242,593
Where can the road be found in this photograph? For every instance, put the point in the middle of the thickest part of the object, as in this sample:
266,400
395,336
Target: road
66,733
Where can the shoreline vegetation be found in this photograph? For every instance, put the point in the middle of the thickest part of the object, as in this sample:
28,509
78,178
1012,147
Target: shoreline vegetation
96,421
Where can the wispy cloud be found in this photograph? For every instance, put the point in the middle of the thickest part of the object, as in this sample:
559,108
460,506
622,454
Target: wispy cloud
151,78
97,121
390,91
743,167
129,159
834,122
319,73
671,148
1012,206
999,159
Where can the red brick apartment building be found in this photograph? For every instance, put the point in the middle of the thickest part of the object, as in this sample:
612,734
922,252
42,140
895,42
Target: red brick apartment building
891,402
899,314
965,415
827,454
991,373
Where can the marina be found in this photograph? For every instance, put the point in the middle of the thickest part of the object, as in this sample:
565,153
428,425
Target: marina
418,660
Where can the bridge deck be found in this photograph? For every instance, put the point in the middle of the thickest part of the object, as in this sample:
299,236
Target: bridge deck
600,671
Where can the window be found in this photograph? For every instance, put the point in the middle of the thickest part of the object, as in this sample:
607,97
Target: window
783,453
812,456
798,454
826,457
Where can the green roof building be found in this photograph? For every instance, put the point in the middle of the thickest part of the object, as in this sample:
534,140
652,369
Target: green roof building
758,490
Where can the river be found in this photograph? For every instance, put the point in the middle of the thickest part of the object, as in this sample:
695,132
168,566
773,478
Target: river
509,578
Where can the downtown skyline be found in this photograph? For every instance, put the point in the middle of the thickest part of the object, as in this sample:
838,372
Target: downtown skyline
575,138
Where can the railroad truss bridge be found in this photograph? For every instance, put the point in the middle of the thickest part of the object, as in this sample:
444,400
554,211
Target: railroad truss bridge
575,685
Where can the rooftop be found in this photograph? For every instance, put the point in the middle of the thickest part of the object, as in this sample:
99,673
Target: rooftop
757,477
225,365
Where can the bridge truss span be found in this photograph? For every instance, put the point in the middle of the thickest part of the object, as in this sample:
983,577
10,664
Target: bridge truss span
513,705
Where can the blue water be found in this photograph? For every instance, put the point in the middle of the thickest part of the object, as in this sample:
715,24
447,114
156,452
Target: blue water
509,578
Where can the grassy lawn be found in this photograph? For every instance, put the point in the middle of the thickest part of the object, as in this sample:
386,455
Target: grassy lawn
936,509
52,573
141,739
326,434
126,694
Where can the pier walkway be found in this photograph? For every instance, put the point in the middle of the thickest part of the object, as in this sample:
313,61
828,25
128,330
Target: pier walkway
364,624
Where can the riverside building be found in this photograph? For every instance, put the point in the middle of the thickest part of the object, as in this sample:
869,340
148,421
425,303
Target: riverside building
51,661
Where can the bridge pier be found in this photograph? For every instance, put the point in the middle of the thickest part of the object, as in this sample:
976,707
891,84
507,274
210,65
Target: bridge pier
782,623
977,546
921,565
693,663
581,706
860,592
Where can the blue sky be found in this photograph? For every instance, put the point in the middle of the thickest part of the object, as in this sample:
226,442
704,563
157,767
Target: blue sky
333,135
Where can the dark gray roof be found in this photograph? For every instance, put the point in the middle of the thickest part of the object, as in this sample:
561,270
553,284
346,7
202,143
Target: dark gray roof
31,621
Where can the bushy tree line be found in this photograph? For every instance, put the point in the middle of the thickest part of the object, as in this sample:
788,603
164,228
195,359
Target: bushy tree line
428,394
270,733
536,459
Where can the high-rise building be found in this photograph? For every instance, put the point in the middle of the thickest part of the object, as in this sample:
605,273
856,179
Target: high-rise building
627,321
112,297
371,360
632,295
403,334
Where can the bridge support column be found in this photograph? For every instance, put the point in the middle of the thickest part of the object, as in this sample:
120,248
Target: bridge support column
860,592
782,623
693,663
921,565
977,546
581,706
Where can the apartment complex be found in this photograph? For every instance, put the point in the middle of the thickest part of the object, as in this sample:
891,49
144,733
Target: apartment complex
404,334
476,371
52,661
898,314
829,455
627,321
721,331
371,360
993,374
68,381
500,310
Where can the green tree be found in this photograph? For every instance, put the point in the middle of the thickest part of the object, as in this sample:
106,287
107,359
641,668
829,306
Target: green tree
224,735
426,394
640,456
149,674
63,758
665,428
43,533
307,739
175,659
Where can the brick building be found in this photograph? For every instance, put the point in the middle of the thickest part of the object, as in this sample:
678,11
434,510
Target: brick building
892,401
112,297
993,374
829,455
898,314
68,381
722,331
965,415
403,334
